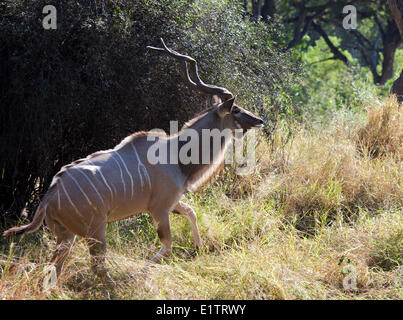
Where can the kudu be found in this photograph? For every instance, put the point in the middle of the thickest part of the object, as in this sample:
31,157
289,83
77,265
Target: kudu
117,183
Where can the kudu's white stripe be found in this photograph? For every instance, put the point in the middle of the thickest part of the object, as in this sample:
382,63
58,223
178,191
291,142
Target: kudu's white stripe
141,167
54,180
58,198
68,197
81,189
96,190
103,178
141,179
121,174
127,170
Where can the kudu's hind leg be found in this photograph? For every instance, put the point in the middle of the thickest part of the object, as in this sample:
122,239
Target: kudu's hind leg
64,242
187,211
164,233
62,251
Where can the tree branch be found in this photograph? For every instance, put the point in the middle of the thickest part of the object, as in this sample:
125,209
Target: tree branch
336,52
304,17
317,11
322,60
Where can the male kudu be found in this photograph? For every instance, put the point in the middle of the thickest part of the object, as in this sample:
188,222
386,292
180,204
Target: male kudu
117,183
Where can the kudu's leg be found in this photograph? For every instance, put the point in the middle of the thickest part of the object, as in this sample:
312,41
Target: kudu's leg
65,240
97,248
190,214
164,233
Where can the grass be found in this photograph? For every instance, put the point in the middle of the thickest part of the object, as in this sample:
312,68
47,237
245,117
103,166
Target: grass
319,218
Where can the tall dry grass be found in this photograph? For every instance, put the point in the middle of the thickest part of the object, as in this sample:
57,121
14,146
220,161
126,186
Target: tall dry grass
383,133
316,175
319,218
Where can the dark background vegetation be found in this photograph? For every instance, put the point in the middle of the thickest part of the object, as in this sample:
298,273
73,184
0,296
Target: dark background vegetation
81,88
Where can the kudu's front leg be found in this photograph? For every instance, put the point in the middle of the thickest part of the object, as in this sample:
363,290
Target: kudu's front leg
190,214
164,233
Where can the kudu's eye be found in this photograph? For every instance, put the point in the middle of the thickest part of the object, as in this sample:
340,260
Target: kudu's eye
235,110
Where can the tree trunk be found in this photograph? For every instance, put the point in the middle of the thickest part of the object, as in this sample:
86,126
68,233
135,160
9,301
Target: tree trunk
397,88
391,41
245,9
395,8
268,10
256,9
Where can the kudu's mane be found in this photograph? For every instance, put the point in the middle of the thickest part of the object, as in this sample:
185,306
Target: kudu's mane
196,118
186,125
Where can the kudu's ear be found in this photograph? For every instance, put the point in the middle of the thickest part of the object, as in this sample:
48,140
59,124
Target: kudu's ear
226,107
215,100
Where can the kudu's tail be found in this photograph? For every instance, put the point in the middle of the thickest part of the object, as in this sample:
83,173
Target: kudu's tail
31,227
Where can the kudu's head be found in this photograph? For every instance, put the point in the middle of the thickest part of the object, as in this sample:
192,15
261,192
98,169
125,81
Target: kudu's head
222,103
233,116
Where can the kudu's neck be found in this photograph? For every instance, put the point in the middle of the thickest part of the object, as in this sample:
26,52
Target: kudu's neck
206,141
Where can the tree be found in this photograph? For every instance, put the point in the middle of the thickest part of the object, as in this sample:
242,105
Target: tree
374,41
396,9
